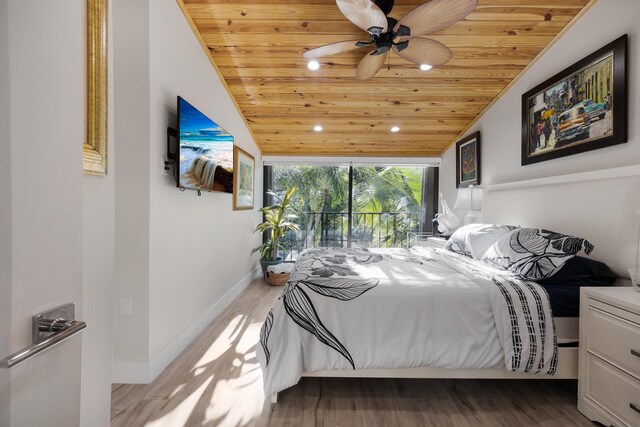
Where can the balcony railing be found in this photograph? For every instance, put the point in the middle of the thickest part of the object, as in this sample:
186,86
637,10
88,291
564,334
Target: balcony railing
368,229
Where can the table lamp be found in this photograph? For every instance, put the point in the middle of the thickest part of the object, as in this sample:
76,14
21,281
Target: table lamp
469,199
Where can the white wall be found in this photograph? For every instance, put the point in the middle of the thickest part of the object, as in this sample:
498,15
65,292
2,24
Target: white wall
46,100
199,246
340,160
5,215
605,203
98,241
197,256
131,99
97,292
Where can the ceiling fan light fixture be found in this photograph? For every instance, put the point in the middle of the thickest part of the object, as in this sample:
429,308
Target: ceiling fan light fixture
313,65
395,129
317,128
425,67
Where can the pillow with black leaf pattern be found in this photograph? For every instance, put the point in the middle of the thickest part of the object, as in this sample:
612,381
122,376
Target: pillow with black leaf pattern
473,240
534,253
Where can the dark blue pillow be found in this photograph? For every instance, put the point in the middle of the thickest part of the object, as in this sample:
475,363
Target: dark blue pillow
581,271
563,287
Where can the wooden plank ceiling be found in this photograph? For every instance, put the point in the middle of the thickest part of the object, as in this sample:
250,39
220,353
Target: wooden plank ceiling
258,48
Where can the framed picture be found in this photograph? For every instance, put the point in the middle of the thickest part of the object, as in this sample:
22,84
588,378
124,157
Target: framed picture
244,166
468,161
94,150
580,109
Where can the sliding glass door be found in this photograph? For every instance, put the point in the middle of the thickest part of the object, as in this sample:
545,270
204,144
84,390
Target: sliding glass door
387,203
321,200
354,206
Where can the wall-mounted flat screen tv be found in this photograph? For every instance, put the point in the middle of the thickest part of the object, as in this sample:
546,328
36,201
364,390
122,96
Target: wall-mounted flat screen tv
206,152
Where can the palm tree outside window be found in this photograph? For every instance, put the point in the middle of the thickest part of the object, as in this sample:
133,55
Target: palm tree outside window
355,206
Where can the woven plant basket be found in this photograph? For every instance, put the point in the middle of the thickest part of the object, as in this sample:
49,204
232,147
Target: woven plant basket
276,279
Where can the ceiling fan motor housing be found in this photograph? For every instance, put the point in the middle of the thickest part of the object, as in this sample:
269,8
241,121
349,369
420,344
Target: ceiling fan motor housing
403,31
391,23
385,5
384,41
402,45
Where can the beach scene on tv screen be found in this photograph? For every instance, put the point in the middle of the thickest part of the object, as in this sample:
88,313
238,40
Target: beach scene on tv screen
206,152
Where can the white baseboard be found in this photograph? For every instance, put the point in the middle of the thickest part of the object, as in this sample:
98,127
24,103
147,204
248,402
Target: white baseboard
125,372
128,372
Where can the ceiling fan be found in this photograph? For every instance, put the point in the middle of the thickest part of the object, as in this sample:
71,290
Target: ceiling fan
402,37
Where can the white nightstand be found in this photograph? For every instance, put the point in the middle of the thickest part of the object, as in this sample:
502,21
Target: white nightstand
609,370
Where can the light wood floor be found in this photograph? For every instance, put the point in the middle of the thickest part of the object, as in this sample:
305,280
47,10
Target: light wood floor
216,381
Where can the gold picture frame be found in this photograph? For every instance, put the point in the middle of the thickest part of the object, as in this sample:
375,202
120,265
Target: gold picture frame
244,166
94,152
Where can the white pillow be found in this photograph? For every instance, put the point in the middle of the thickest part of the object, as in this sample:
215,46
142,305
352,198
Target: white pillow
534,253
473,240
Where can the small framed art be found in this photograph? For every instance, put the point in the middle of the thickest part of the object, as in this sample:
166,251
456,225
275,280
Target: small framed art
468,161
244,166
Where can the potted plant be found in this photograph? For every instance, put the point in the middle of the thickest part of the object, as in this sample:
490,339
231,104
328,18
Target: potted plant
277,221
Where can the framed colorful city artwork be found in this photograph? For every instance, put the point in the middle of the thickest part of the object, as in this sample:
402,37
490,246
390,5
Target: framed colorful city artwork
582,108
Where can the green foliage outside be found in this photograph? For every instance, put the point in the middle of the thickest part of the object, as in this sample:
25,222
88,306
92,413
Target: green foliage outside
386,204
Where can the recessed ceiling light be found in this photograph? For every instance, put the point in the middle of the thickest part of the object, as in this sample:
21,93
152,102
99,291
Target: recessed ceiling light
395,129
425,67
313,65
317,128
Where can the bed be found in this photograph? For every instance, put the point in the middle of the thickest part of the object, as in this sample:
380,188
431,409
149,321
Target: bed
408,313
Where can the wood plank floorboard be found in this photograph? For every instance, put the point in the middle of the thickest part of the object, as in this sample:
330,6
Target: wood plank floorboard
217,381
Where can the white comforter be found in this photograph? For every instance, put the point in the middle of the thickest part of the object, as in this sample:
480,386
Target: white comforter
396,308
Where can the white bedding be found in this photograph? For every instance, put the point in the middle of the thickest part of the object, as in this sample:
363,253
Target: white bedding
396,308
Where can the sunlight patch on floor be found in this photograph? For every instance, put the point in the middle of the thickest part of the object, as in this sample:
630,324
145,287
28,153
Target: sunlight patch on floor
223,342
180,415
249,338
176,391
237,401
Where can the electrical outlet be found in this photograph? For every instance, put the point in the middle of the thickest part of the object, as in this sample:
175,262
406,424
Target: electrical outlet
125,305
164,169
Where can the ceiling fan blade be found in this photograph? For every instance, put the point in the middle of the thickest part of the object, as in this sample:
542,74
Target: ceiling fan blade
370,65
365,14
421,50
331,49
436,15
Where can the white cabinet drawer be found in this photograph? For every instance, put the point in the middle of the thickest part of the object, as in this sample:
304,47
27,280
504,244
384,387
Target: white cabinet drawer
613,390
615,340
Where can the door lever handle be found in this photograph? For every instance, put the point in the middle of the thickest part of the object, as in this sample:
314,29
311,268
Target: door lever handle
48,329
